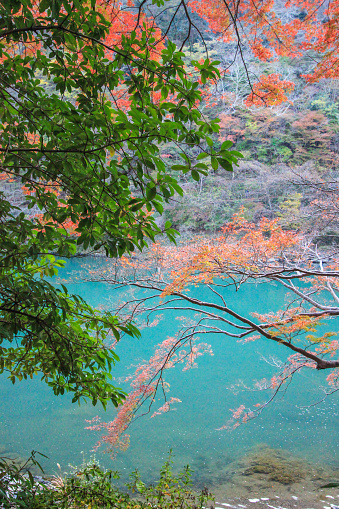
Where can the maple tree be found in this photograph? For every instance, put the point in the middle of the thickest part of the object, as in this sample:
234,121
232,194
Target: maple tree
89,94
269,31
244,252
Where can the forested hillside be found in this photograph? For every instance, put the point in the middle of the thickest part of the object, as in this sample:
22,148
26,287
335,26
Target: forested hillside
289,143
286,147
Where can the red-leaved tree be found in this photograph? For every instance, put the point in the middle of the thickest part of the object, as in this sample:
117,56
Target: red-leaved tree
243,253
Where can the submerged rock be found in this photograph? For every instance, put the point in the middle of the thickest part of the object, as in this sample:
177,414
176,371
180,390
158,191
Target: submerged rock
265,473
275,466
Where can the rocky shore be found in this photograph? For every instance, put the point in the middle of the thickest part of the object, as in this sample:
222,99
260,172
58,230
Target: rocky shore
274,478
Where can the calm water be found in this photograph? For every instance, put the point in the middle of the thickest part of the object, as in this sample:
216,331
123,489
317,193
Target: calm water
32,418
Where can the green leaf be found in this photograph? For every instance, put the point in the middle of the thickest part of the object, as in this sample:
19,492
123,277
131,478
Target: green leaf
195,175
226,144
151,193
214,163
203,155
179,167
225,164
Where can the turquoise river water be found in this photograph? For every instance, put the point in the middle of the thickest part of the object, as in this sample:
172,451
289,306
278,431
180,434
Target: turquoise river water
33,418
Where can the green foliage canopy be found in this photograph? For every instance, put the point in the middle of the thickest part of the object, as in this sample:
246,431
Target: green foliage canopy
87,159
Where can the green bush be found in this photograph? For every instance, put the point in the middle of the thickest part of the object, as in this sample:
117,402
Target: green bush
91,487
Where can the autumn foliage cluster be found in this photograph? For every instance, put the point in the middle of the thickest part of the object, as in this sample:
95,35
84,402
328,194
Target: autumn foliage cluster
272,30
243,253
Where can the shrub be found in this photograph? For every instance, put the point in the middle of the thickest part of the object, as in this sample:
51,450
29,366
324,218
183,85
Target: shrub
91,486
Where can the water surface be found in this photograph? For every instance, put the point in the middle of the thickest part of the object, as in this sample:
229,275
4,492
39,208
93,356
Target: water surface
33,418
